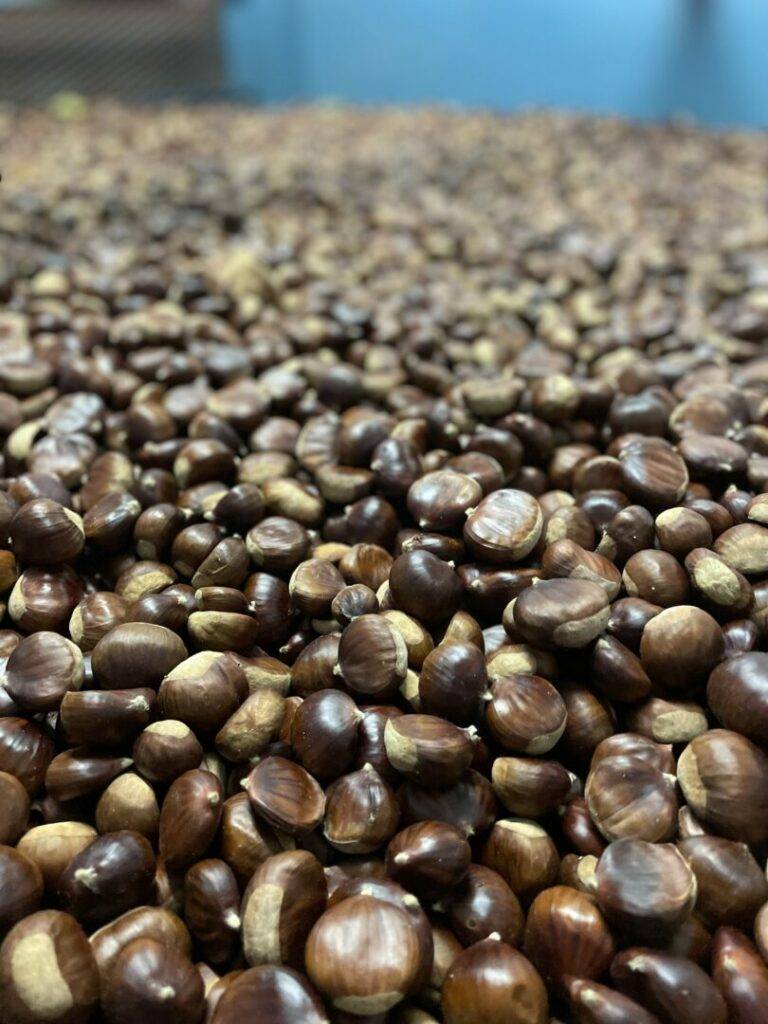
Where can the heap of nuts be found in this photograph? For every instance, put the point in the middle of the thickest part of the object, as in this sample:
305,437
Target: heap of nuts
383,570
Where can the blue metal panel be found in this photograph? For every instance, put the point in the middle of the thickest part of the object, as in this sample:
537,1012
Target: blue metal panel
644,58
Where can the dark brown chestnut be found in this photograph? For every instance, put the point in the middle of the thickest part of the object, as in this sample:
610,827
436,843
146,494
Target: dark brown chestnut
269,994
429,858
211,909
673,987
112,874
646,890
154,982
492,982
189,818
484,904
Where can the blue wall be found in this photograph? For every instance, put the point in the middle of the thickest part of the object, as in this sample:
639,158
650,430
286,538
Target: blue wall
643,58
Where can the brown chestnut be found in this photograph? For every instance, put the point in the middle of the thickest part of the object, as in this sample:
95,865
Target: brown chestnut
152,982
189,818
47,971
363,955
281,903
566,935
492,982
646,890
429,858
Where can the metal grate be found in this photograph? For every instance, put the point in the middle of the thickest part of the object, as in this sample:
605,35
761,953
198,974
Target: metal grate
134,49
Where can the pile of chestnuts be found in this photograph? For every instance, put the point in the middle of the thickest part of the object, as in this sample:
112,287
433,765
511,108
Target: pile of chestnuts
383,569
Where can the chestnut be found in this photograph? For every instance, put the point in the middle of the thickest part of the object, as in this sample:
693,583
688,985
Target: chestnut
629,798
484,904
155,923
740,975
105,718
565,613
137,651
244,840
653,473
79,772
524,854
565,559
372,657
363,955
504,527
44,598
737,693
592,1003
361,812
531,787
43,532
492,982
130,803
53,845
154,982
166,749
285,795
284,898
724,779
525,714
21,887
673,988
667,721
646,890
14,808
211,909
41,669
470,804
424,586
313,586
248,730
566,935
189,818
314,667
47,971
452,682
429,858
427,749
656,577
731,887
114,873
324,733
269,994
579,829
203,691
680,646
